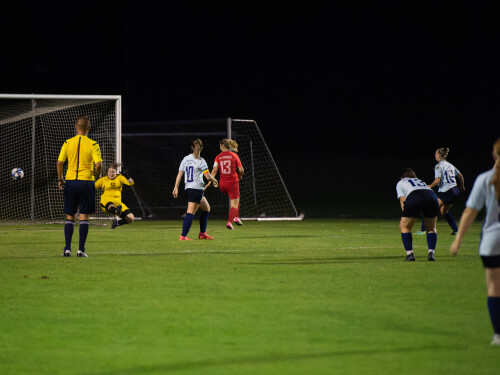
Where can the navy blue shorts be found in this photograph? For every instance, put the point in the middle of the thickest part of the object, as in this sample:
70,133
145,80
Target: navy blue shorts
450,196
421,202
79,193
194,195
492,261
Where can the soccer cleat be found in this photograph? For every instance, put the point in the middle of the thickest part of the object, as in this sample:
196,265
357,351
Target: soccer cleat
453,233
67,253
237,221
204,236
229,226
495,341
81,254
430,257
420,232
119,210
184,238
114,224
410,258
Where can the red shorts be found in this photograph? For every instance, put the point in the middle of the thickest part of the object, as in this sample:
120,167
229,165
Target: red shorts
230,188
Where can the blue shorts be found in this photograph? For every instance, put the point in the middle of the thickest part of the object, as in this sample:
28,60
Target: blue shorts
79,193
492,261
450,196
421,202
194,195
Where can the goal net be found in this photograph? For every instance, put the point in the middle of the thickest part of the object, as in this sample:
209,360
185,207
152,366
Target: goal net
32,130
152,153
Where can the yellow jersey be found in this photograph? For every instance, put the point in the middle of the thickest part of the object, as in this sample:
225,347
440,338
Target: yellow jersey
81,153
112,188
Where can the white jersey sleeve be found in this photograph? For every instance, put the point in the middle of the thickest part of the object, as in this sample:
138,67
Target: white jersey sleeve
483,194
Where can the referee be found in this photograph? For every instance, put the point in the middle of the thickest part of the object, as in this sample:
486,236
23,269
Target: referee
82,154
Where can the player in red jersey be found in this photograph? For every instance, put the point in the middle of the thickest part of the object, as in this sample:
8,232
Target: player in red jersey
229,165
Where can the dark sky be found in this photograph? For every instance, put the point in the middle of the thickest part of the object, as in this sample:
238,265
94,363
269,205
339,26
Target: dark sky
341,79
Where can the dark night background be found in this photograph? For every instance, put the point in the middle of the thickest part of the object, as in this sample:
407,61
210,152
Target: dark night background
347,90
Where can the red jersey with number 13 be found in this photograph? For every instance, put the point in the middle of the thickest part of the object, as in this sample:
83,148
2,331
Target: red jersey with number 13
228,163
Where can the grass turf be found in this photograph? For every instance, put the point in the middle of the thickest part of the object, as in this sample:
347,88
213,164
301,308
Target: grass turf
310,297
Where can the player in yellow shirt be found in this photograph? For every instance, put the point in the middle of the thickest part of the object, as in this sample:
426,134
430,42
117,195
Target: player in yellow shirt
111,198
82,154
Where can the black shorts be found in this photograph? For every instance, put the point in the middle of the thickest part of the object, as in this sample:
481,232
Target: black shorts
492,261
194,195
450,196
79,193
421,202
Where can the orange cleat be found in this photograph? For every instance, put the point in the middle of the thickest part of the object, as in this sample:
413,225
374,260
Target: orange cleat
204,236
182,238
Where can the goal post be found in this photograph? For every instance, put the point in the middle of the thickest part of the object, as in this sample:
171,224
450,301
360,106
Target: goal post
33,127
152,152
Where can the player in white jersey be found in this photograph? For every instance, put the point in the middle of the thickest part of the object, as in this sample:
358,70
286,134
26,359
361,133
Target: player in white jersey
486,192
415,199
445,178
193,167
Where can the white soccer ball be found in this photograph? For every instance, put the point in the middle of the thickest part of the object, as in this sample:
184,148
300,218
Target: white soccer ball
17,173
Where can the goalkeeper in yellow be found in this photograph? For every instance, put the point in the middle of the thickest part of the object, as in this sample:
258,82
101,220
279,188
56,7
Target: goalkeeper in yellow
111,197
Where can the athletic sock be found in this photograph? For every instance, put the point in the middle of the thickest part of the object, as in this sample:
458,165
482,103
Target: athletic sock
407,241
204,221
122,221
112,210
238,212
84,230
494,308
68,233
422,226
432,241
232,214
186,225
451,221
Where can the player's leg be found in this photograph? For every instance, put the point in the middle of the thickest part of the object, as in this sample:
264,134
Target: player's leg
87,207
449,218
446,200
71,201
493,286
406,225
430,228
205,212
237,219
234,197
194,200
126,215
109,207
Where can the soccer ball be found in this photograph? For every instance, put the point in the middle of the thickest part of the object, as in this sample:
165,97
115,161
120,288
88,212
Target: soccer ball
17,173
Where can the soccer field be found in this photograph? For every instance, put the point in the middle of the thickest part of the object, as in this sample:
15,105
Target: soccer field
311,297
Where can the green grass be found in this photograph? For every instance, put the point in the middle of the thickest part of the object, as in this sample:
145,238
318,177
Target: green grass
311,297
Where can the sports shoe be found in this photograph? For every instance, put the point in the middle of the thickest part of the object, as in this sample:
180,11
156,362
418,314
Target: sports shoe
182,238
229,226
237,221
81,254
119,210
420,232
67,253
204,236
495,341
430,256
410,258
115,224
453,233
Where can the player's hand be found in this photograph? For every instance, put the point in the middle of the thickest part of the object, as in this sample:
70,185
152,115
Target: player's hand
175,192
130,181
61,184
454,247
216,183
462,189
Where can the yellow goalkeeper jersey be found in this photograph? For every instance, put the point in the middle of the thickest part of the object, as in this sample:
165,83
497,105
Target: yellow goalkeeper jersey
112,188
81,153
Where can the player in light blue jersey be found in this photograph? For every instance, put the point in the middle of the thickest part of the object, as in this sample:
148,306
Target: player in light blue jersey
446,176
193,167
486,192
415,199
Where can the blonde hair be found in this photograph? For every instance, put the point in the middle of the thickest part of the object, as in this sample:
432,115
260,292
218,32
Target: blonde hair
496,176
229,144
83,123
443,152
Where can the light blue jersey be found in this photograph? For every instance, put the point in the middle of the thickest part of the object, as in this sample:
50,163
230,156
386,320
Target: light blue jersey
193,172
447,173
483,193
407,185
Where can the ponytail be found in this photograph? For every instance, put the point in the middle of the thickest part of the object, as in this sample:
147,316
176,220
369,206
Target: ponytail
496,176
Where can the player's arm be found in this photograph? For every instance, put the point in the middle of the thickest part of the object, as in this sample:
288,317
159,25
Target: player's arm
240,172
461,182
175,192
98,170
215,170
60,168
402,202
436,182
210,178
126,180
466,220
